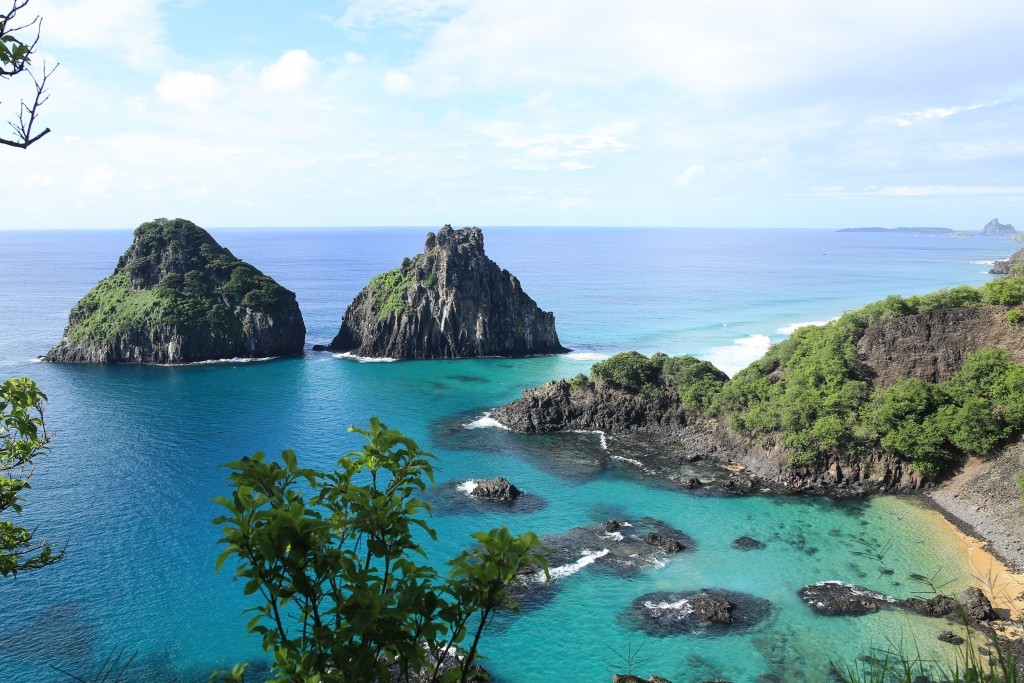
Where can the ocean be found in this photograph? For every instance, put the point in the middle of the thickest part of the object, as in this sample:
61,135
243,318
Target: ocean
138,452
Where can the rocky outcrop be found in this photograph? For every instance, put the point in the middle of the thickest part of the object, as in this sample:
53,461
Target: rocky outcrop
176,296
747,543
451,301
933,345
687,435
498,489
1004,267
834,598
707,612
994,227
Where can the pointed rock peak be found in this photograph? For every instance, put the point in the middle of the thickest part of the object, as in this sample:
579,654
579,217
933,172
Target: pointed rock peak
455,239
994,227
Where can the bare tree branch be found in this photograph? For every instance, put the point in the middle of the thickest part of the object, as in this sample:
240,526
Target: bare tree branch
15,59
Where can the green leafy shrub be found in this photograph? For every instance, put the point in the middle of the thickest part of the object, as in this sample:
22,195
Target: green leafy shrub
1020,485
1014,316
1006,291
332,558
631,370
387,293
697,381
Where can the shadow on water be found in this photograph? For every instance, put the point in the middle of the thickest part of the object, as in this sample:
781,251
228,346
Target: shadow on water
59,635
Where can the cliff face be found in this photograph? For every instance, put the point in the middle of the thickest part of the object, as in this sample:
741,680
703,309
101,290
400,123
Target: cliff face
451,301
932,346
177,296
994,227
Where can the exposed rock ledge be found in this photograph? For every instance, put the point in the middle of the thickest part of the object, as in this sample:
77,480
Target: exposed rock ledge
177,296
564,406
451,301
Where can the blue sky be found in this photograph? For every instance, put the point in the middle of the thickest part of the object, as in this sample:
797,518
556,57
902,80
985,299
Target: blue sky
534,112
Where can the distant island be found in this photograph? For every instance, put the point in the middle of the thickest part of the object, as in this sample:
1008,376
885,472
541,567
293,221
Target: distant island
176,296
994,227
913,231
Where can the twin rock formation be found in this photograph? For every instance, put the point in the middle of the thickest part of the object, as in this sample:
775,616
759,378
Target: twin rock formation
177,296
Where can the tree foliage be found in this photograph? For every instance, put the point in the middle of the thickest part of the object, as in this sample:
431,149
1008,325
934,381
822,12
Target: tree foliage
18,42
23,438
333,557
695,381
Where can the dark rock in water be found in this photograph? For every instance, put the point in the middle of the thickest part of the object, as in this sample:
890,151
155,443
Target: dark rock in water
615,546
630,678
976,605
692,483
951,638
994,227
177,296
497,489
747,543
451,301
707,612
937,606
833,598
671,546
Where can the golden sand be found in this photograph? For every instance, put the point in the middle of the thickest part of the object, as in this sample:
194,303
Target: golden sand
1004,588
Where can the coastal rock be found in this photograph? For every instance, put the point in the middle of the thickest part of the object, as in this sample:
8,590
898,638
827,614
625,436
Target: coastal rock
976,605
951,638
1004,267
834,598
707,612
994,227
498,489
451,301
747,543
937,606
176,296
932,346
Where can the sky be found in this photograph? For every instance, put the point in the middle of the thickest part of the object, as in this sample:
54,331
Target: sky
702,113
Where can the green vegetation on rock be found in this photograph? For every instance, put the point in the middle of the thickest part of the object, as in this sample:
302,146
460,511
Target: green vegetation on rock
809,393
175,274
697,382
388,292
1020,485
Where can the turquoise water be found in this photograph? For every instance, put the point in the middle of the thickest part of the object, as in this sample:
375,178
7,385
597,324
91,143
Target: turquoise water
138,451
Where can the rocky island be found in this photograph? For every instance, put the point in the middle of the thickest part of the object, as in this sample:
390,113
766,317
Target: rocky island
176,296
994,227
451,301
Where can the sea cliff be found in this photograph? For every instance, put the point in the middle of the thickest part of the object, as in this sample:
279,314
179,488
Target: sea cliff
451,301
176,296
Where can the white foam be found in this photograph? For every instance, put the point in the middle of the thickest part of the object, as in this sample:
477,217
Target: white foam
682,606
589,557
984,263
738,355
858,590
37,359
485,422
585,355
604,441
631,461
790,329
217,361
613,535
467,487
348,355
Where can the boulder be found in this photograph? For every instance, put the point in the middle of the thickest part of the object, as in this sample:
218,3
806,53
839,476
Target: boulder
976,605
498,489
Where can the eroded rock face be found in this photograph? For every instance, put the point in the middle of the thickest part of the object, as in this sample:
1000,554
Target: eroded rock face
834,598
451,301
932,346
177,296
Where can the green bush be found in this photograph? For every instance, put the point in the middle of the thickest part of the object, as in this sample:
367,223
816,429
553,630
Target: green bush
697,381
1014,316
1006,291
630,370
1020,485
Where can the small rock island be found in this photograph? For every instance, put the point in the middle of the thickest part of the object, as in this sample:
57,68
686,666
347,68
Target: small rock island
451,301
177,296
994,227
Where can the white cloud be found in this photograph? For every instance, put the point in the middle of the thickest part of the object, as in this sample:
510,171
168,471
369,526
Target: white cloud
295,70
573,165
133,29
396,82
690,174
414,13
353,58
188,89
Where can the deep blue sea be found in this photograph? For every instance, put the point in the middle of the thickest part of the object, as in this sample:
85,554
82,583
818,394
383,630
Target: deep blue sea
138,451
